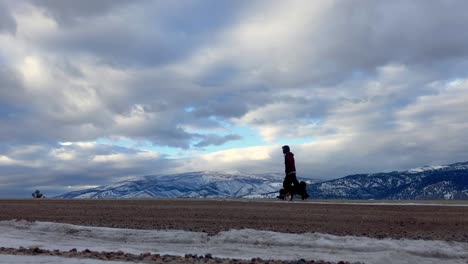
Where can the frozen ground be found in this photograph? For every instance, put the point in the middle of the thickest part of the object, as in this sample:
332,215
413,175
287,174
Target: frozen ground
427,220
243,244
405,203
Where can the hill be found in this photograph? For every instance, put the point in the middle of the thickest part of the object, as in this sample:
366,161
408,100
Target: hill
428,182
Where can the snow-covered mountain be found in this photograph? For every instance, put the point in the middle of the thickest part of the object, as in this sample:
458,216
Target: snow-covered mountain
200,184
428,182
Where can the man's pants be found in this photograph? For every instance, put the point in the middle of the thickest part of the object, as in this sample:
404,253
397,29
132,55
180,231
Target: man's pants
290,181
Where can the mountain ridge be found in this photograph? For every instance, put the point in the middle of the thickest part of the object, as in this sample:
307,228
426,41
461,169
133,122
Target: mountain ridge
200,184
427,182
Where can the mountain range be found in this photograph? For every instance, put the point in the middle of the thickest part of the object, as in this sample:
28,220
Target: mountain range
428,182
201,184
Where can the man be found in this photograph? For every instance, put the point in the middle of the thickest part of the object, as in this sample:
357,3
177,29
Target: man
291,185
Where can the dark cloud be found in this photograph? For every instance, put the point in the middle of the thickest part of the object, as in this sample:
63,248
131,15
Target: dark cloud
14,107
172,137
69,11
369,34
7,21
348,38
11,87
216,140
130,34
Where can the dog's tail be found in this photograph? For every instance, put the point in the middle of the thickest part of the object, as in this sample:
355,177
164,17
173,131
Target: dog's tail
303,186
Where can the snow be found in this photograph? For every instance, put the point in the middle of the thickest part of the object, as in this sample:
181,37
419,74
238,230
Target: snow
244,244
448,196
426,168
190,184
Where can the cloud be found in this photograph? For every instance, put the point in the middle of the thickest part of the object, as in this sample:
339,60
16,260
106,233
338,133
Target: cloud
69,11
352,86
216,140
7,21
259,159
69,164
128,34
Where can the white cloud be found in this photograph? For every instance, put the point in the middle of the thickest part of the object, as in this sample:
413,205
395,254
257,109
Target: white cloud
249,159
79,144
236,155
35,74
110,158
33,24
62,154
4,160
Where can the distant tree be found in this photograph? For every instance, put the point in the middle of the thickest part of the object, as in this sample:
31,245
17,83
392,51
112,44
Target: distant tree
37,194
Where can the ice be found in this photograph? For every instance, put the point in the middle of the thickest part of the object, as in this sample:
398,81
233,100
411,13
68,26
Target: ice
243,244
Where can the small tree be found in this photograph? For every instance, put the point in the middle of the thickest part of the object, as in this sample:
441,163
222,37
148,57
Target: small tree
37,194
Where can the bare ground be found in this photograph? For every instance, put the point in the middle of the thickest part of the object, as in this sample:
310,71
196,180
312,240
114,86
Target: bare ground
427,222
151,258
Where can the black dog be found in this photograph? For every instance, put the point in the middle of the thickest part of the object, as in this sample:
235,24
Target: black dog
301,190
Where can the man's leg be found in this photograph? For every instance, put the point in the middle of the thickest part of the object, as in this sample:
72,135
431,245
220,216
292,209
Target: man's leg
282,192
287,188
294,180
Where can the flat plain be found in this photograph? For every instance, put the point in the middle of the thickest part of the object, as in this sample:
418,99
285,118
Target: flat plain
428,220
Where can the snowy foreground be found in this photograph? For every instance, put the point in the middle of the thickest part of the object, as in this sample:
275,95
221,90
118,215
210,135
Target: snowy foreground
241,244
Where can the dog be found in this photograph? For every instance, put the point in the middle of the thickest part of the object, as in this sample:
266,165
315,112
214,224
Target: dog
301,190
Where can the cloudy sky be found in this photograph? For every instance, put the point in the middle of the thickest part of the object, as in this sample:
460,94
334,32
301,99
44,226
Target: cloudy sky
93,92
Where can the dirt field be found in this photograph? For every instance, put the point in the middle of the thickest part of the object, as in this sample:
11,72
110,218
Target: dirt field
430,222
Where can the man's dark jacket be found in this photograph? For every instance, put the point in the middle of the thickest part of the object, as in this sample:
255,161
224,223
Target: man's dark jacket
290,166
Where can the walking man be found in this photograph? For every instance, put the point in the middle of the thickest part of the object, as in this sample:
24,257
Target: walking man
291,185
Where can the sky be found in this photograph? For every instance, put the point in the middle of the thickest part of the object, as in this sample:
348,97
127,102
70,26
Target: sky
93,92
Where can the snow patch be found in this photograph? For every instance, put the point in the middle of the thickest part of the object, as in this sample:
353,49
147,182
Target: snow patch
426,168
243,244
